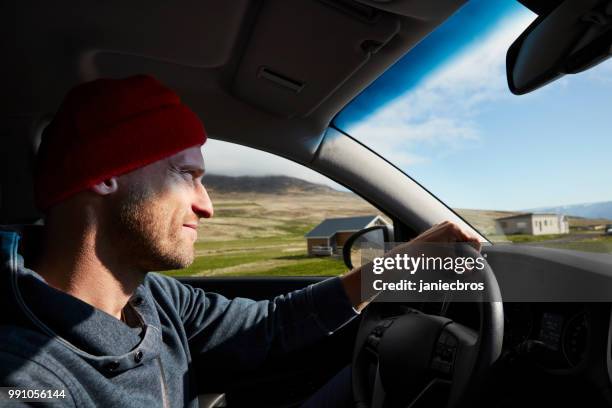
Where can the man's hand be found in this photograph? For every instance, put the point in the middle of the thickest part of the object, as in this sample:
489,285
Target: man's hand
445,232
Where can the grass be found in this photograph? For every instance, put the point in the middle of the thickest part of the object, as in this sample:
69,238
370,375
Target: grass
599,244
263,235
521,238
283,254
249,243
313,267
294,262
231,212
209,262
236,204
296,228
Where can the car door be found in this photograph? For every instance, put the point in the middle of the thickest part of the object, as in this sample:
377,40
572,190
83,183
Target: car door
281,381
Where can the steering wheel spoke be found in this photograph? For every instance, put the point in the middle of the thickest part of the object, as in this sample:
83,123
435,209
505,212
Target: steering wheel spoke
455,347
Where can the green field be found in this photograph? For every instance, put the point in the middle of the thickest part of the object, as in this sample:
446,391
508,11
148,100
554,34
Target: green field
263,235
575,240
285,255
523,238
600,243
265,256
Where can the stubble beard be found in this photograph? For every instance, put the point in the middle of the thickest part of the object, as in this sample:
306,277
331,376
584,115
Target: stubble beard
149,234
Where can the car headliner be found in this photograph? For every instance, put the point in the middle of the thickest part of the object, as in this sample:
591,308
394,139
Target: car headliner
212,53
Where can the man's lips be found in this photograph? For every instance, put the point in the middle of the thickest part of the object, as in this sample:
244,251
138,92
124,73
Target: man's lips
193,228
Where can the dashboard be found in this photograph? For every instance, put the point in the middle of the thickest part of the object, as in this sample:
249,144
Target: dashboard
554,354
555,336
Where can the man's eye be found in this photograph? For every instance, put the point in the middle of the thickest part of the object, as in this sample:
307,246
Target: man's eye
187,174
191,176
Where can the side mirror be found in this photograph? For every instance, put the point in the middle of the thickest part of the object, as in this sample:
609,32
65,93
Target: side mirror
366,244
573,37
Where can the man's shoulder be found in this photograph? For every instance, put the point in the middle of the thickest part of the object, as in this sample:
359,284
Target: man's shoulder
169,290
28,344
20,338
23,349
187,300
156,282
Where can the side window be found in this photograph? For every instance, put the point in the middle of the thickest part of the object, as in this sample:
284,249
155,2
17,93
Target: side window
273,217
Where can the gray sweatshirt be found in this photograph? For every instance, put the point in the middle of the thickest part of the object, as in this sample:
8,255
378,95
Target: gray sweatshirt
50,340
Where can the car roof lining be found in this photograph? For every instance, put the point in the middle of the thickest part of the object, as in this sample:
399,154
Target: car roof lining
210,52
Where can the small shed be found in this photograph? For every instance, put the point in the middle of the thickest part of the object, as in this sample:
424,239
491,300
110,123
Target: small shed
330,235
534,224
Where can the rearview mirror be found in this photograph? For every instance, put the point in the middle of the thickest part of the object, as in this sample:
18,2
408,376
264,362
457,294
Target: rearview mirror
366,244
573,37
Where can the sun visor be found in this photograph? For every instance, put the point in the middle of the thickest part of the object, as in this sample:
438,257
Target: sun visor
301,52
419,9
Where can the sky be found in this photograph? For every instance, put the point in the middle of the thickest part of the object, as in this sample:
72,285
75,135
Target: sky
444,115
236,160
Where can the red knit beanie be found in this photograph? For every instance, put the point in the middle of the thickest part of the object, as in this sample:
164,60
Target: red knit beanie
108,127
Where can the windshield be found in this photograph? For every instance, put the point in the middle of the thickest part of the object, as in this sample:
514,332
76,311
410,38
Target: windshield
519,169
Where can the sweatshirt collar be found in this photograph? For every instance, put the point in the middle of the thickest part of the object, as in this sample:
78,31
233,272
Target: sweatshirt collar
99,338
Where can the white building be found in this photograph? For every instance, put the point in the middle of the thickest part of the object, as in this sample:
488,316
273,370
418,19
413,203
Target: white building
534,224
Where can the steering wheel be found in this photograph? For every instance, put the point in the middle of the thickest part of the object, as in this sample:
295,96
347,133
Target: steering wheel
425,360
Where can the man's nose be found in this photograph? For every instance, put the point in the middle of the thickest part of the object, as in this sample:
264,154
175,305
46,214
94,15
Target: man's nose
202,205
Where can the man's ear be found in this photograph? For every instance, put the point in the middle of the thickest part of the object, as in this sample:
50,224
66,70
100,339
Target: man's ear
105,187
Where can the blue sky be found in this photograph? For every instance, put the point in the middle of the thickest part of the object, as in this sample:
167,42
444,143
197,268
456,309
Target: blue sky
447,118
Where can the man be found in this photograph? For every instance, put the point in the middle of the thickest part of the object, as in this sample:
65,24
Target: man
118,178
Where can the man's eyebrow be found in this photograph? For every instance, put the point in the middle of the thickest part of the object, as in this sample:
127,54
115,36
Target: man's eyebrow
196,170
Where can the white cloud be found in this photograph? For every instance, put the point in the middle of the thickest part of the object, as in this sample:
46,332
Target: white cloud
393,140
440,112
237,160
479,74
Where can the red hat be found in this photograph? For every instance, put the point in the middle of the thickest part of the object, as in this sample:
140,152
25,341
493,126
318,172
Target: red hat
108,127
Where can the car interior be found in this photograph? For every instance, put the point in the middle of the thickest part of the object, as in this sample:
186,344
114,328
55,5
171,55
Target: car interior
272,75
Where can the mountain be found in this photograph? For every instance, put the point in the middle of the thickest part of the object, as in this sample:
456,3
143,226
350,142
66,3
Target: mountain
290,185
263,184
589,210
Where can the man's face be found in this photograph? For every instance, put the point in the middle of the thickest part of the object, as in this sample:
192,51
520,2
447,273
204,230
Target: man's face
157,210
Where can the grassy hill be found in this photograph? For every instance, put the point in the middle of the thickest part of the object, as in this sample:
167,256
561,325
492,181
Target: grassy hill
263,234
263,185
